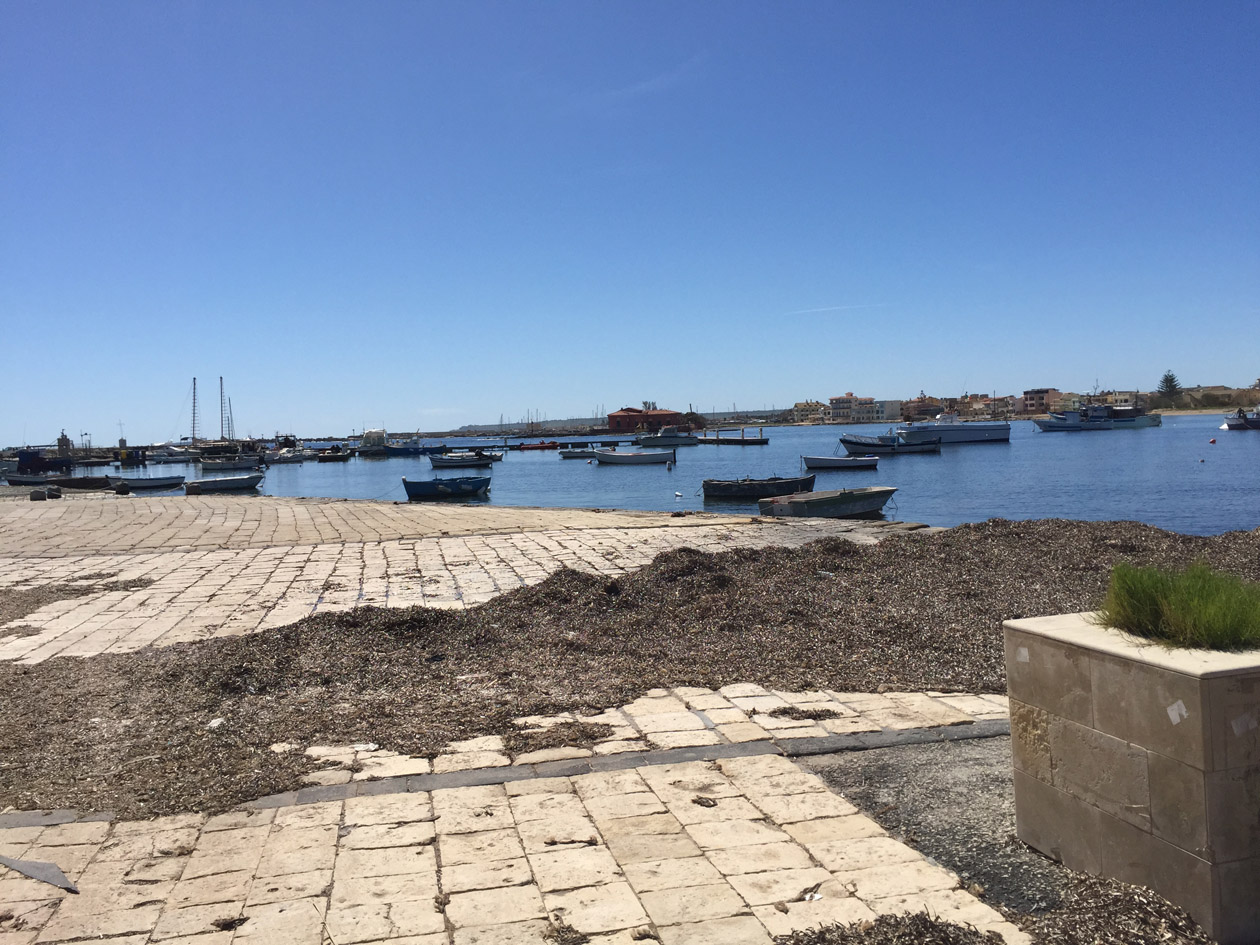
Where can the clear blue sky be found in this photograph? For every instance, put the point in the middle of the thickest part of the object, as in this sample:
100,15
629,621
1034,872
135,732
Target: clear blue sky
423,214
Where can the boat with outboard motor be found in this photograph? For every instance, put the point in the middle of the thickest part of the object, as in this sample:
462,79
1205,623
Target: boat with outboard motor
948,428
1238,420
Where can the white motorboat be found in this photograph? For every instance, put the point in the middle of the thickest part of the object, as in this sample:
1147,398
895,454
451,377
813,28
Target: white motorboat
950,429
228,463
578,453
667,437
869,461
626,458
223,484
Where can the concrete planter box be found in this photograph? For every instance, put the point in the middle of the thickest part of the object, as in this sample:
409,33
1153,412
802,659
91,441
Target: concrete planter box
1141,763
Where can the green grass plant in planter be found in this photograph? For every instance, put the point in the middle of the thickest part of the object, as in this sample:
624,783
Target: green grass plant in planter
1197,607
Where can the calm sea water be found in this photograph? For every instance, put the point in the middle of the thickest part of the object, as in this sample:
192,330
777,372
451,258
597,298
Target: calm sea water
1169,476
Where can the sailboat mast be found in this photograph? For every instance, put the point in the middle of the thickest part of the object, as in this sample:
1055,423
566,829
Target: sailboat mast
194,413
222,412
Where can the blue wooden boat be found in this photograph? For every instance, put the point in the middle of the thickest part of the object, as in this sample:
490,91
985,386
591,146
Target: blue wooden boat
460,487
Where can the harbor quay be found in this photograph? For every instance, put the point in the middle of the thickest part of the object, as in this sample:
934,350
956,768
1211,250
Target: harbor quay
693,818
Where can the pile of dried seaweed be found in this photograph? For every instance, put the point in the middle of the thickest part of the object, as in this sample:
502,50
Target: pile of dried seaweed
1105,912
914,928
129,732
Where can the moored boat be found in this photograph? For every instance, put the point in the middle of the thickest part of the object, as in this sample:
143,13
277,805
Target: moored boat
223,484
469,459
65,482
460,487
867,461
334,456
230,463
950,429
667,437
859,445
545,445
1238,420
146,482
631,458
578,453
1099,417
756,488
830,503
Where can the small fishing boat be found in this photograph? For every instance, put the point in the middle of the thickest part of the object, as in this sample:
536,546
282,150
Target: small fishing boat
756,488
838,460
858,445
146,482
830,503
461,487
412,447
223,484
545,445
467,459
581,453
627,458
334,456
1238,420
66,482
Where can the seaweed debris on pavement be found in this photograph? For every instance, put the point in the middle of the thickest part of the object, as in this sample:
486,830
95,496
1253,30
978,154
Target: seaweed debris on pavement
130,732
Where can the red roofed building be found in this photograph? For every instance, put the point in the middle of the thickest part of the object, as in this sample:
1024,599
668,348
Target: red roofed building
634,420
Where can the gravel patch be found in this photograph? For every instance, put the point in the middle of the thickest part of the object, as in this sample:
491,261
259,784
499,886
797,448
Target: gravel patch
912,929
129,732
955,803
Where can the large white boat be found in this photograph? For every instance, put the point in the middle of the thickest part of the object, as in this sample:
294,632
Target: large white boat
950,429
668,437
1099,417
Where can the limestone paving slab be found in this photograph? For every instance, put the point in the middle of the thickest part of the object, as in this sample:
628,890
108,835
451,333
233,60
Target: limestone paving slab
381,867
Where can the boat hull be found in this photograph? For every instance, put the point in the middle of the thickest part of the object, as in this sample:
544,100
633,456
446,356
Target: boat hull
967,431
577,454
1068,425
1235,422
462,487
613,458
840,462
832,503
861,445
461,461
756,488
147,482
224,484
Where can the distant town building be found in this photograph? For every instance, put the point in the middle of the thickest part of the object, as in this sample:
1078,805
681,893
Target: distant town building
634,420
1038,400
842,408
922,407
808,411
1066,401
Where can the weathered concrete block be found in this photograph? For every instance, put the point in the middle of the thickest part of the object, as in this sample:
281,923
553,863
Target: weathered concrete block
1140,762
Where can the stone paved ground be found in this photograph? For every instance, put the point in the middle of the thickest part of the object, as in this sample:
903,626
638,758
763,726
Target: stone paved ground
686,825
722,852
229,565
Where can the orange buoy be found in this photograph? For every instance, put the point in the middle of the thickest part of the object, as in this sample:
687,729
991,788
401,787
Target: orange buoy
1213,440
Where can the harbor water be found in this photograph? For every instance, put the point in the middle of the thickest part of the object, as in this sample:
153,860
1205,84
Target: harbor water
1170,476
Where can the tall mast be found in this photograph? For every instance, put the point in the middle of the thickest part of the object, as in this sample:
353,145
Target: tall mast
194,413
222,411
